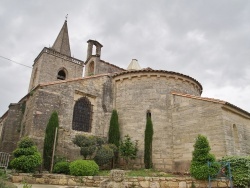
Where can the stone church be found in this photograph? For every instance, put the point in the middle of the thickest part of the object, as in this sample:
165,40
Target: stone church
84,105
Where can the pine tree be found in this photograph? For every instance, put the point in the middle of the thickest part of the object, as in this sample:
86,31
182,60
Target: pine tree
114,132
148,144
49,140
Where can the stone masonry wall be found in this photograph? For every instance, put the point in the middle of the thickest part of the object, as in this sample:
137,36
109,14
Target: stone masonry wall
48,65
100,67
61,96
237,133
191,117
136,93
136,182
12,127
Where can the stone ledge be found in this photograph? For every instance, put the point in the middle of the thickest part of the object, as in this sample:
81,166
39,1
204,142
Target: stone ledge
94,181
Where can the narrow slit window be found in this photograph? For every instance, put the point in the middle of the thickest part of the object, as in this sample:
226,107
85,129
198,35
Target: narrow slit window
148,114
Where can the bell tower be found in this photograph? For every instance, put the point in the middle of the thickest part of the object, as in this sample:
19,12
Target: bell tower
56,63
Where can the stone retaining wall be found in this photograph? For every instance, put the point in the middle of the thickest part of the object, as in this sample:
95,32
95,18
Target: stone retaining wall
134,182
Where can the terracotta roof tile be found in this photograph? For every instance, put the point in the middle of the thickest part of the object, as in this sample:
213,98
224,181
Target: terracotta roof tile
212,100
200,98
71,80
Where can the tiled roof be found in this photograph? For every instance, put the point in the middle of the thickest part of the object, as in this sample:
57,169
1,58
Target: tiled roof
212,100
112,65
71,80
200,98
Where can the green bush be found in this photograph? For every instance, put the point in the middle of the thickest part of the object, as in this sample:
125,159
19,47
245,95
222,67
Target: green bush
240,169
61,167
104,154
128,149
27,163
88,145
26,143
24,151
27,157
83,168
199,165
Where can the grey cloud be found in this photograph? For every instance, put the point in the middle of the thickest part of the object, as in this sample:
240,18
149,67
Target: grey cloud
208,40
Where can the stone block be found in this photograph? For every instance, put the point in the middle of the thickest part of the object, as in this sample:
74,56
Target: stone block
63,182
40,180
182,184
144,184
154,185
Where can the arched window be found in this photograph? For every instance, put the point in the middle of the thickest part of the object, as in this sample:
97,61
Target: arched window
82,115
91,68
61,75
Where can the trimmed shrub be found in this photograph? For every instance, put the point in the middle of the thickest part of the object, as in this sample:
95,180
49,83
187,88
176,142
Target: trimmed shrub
199,165
104,154
26,142
61,168
49,140
240,169
24,151
27,157
148,144
114,132
83,168
88,145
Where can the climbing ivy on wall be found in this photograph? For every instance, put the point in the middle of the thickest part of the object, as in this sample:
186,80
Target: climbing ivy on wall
114,132
49,140
148,143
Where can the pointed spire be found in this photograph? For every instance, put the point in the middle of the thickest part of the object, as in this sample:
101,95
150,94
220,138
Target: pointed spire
134,65
62,41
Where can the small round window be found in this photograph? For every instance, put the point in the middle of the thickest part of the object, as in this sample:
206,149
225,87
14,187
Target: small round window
61,75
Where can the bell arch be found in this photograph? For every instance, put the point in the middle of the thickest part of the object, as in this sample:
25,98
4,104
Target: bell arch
62,74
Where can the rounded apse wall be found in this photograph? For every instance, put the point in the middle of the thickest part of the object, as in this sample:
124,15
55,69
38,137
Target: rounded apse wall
138,92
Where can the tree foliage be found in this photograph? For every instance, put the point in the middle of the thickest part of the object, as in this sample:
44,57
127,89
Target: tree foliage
96,148
114,132
61,167
199,165
26,156
87,144
104,154
128,149
49,140
148,144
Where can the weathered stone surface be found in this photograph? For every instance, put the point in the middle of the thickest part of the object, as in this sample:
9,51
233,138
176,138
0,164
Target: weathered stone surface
144,184
182,184
93,181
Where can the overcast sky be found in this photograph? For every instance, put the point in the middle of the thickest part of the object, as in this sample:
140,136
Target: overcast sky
207,40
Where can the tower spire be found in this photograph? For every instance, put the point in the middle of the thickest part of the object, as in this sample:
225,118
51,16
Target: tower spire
61,43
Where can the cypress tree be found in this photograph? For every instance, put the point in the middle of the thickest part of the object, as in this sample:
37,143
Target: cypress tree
148,144
49,140
114,132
